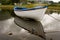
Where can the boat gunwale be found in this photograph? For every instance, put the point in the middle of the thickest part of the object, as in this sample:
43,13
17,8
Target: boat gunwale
30,9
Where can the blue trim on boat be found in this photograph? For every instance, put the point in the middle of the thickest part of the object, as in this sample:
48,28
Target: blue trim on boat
25,9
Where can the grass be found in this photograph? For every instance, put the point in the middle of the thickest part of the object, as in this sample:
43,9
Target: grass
7,7
10,7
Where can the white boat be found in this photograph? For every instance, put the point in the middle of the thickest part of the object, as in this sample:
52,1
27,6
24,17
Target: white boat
34,27
36,13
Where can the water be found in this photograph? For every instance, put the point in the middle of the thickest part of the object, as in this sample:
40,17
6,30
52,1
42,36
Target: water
51,22
10,31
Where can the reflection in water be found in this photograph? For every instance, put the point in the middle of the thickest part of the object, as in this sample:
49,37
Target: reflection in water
51,22
52,11
6,37
6,14
0,9
8,26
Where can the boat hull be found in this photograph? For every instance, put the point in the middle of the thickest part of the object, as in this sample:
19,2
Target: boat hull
34,14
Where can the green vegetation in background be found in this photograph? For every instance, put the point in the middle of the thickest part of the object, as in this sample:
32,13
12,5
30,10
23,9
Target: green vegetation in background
9,4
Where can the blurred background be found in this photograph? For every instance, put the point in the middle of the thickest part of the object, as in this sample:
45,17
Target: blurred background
50,22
